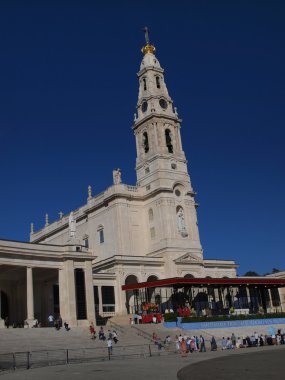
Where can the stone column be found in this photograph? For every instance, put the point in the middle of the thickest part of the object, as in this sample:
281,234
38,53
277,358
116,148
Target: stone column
248,297
116,299
89,292
1,320
100,299
270,300
71,317
62,295
30,296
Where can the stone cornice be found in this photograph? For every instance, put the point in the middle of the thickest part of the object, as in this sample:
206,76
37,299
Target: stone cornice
157,115
128,260
32,251
150,68
169,156
220,263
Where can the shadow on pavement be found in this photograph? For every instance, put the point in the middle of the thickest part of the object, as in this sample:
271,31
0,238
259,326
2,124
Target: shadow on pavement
251,366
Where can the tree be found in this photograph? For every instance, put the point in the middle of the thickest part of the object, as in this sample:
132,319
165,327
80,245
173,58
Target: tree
251,273
275,270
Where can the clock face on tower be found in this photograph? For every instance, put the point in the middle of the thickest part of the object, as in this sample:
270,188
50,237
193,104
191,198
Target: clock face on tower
163,103
144,106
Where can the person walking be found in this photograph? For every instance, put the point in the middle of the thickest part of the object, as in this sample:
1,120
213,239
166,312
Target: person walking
115,337
92,330
202,344
234,340
224,343
110,346
183,347
213,344
51,320
177,344
101,334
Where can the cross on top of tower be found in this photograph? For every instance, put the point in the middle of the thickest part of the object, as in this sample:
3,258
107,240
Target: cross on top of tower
146,34
148,48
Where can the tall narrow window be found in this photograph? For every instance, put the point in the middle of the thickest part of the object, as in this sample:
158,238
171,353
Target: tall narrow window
150,215
144,84
100,230
145,142
168,140
157,82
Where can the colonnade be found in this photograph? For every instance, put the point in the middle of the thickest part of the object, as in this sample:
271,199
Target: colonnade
67,294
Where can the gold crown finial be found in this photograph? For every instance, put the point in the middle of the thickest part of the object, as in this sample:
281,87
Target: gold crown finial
148,48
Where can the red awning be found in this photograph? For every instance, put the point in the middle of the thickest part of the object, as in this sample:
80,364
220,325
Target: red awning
181,282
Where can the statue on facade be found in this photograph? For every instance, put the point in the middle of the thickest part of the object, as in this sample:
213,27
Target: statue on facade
72,225
117,176
145,142
181,222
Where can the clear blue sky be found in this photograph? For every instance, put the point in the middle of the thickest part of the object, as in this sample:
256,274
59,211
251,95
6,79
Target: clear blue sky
68,91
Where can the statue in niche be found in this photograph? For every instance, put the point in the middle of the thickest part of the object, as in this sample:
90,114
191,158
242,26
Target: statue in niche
117,176
181,222
168,140
72,225
145,142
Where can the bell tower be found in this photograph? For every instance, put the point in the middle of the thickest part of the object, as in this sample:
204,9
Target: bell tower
160,157
161,167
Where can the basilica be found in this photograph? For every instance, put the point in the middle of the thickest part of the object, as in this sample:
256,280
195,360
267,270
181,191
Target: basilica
85,263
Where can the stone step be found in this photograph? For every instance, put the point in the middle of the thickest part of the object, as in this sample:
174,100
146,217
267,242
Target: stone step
19,340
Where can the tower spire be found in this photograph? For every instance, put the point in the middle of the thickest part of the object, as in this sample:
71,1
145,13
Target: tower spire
157,127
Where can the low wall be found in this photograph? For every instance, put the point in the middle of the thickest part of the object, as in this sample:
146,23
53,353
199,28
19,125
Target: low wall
223,324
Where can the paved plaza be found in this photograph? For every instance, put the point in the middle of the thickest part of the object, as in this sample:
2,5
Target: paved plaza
252,364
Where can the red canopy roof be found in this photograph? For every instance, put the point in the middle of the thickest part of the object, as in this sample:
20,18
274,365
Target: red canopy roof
181,282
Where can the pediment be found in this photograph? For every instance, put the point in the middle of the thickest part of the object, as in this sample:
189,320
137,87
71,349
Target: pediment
188,258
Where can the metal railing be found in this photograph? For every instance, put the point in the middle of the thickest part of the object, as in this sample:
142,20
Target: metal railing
43,358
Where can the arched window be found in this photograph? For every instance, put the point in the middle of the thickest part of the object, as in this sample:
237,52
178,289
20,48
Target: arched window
144,84
157,82
100,230
188,275
168,140
131,295
145,142
150,214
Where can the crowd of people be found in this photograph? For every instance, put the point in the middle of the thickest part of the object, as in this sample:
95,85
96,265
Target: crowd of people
111,337
185,344
57,323
253,340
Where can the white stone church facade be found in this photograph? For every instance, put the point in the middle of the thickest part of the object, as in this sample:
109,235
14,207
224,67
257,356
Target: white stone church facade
133,233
